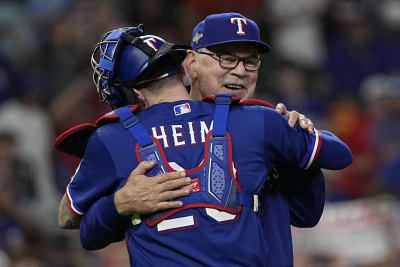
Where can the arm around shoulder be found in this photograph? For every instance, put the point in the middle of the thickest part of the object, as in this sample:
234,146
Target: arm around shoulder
103,225
334,154
306,197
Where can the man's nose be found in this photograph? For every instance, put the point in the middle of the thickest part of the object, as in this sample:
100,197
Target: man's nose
240,70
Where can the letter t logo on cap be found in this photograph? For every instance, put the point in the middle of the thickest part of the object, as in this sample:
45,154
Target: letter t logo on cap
240,22
151,42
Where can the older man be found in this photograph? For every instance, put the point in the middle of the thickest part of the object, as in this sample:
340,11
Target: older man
225,59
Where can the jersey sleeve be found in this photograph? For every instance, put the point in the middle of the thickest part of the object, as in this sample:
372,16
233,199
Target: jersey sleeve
102,225
304,191
334,153
306,197
322,149
94,178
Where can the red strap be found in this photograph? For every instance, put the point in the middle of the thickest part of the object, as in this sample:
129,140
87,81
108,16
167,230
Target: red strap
112,117
245,102
251,101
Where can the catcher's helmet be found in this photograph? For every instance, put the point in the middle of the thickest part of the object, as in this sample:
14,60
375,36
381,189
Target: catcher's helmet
128,58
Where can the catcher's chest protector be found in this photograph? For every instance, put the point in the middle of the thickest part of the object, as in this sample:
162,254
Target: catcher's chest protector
214,184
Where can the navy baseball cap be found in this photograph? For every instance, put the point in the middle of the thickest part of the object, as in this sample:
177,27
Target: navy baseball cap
227,28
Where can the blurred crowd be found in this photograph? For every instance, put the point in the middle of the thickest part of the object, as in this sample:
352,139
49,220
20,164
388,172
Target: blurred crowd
337,61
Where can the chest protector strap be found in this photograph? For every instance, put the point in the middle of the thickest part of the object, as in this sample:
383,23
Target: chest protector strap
214,184
131,122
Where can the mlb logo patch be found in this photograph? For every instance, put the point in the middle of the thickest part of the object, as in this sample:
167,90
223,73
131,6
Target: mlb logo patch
182,109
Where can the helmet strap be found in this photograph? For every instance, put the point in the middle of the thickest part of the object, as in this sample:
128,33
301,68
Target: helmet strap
137,42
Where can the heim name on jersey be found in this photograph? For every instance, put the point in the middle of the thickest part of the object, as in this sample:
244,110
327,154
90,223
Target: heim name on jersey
178,135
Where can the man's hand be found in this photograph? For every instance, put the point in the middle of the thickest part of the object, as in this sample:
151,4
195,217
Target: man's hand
304,122
143,195
140,195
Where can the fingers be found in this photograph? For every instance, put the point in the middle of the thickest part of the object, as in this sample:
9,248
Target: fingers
303,122
293,117
161,178
145,166
169,195
281,108
306,124
165,198
310,127
174,184
143,194
142,168
169,205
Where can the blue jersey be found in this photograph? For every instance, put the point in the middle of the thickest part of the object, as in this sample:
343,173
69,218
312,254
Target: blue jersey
261,138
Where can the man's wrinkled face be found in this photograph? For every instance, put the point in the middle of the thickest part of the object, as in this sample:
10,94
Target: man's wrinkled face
211,78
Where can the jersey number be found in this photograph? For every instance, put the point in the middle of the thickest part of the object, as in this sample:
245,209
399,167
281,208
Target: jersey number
187,222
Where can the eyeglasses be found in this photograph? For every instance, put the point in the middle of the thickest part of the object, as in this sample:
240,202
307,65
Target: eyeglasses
251,63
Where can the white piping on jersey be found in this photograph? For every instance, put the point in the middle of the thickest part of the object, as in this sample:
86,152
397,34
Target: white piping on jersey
209,180
316,144
72,202
162,168
158,158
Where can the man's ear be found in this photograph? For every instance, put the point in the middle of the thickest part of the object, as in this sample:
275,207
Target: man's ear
140,97
190,64
185,75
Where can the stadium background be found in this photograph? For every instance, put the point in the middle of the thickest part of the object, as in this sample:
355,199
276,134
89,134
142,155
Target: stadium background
337,61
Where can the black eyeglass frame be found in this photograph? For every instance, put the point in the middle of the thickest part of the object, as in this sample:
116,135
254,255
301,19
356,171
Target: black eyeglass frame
238,60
